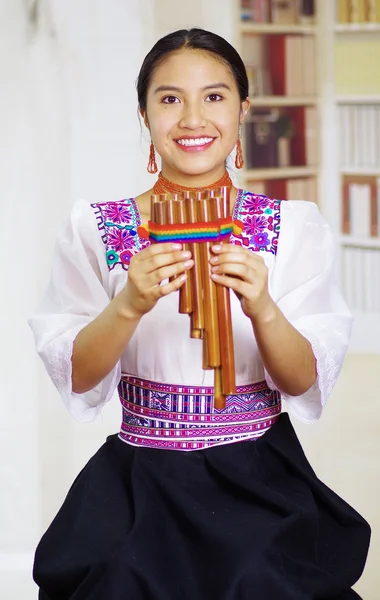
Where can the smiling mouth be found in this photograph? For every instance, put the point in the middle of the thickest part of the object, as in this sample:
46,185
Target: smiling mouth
192,142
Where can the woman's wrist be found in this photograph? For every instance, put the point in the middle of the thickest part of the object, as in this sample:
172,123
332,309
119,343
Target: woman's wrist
123,310
266,316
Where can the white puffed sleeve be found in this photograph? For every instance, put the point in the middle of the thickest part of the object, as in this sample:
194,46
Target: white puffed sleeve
76,294
304,288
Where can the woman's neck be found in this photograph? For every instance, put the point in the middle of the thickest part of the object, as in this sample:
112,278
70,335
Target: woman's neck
164,185
193,181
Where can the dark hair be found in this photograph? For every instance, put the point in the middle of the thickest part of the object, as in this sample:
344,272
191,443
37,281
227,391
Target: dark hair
194,39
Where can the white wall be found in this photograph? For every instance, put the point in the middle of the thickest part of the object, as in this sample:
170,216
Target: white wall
69,130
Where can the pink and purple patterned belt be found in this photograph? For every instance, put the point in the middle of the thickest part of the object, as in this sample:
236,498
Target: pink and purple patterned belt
177,417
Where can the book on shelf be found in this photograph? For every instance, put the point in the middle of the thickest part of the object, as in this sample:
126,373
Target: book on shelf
374,11
281,138
261,138
282,12
361,278
291,64
298,188
359,136
361,207
257,187
358,11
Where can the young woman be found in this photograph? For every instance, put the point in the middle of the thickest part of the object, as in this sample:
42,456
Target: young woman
188,501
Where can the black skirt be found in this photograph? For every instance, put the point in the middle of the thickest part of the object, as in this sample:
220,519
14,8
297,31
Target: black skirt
244,521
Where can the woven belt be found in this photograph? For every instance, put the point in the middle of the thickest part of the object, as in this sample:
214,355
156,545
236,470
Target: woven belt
176,417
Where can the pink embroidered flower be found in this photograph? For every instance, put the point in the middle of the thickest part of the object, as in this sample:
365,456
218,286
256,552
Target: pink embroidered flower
120,239
255,224
255,203
117,212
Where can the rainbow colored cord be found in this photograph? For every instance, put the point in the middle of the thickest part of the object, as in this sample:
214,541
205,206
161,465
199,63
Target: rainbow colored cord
213,231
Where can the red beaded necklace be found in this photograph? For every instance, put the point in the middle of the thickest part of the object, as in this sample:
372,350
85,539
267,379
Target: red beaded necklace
164,186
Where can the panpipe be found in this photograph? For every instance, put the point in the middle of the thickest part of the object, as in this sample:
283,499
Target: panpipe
198,220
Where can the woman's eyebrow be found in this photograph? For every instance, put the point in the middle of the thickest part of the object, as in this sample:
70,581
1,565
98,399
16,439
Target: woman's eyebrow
173,88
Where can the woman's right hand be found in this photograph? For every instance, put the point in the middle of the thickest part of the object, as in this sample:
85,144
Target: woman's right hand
147,270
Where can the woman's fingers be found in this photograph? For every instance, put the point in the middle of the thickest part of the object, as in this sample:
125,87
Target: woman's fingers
164,256
172,270
172,286
241,270
239,286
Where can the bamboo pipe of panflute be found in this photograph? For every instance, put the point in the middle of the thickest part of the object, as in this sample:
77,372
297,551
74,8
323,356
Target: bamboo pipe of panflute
186,290
209,288
197,319
221,208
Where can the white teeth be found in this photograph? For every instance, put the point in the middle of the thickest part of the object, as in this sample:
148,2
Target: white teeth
195,142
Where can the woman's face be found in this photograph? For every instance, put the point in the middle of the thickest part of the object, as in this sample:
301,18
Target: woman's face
193,113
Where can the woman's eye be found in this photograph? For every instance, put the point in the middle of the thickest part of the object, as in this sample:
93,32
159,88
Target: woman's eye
214,98
170,100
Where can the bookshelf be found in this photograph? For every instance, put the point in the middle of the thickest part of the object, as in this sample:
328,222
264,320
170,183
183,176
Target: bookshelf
356,102
275,101
281,134
276,29
280,173
344,99
357,28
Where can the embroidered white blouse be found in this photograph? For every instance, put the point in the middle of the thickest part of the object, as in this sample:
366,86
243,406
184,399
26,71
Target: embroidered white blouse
301,281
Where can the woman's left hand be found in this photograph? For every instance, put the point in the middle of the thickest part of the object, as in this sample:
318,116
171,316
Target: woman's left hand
244,272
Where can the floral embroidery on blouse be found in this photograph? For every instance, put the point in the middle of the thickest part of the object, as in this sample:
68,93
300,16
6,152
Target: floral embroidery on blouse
261,217
118,222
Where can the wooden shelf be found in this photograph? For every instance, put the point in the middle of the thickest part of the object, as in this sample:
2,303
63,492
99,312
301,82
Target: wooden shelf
357,28
279,173
358,99
365,243
361,171
284,101
276,28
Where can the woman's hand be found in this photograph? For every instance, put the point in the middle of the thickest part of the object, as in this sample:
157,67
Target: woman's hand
244,272
147,270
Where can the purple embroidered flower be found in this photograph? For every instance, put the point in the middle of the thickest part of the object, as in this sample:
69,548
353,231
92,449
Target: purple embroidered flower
255,224
126,256
255,203
260,240
120,239
117,213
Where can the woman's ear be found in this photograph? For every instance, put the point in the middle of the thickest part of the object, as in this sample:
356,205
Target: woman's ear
245,106
144,117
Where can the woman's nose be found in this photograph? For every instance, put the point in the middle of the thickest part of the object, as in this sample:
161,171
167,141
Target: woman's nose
192,116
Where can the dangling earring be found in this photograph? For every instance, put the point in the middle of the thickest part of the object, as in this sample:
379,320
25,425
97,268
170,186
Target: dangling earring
239,158
152,165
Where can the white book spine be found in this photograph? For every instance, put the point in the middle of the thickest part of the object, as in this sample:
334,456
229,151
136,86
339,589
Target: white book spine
347,275
291,189
356,161
342,134
378,136
308,65
360,210
351,136
378,207
372,135
361,141
364,136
